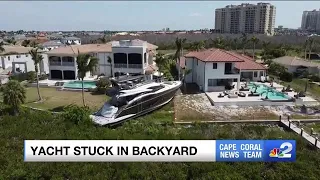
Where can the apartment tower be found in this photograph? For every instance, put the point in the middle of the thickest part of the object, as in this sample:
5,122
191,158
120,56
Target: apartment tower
311,20
246,18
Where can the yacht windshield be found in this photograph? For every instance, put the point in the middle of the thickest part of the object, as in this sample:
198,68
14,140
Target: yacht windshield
107,110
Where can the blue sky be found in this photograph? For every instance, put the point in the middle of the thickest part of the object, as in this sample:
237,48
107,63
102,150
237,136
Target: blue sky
130,15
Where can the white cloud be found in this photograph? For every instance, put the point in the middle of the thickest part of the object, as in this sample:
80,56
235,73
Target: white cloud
195,14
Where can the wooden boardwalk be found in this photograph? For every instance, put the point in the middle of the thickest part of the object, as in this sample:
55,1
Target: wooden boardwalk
286,123
302,133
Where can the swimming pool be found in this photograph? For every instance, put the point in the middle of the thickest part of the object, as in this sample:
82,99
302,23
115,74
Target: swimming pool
78,84
266,91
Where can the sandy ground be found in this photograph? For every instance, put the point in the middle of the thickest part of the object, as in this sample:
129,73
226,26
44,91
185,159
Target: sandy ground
199,106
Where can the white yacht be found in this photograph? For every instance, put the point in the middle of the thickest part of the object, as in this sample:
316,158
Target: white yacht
135,100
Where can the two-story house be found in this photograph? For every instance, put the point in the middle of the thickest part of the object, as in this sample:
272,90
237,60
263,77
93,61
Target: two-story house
214,69
16,59
63,60
133,57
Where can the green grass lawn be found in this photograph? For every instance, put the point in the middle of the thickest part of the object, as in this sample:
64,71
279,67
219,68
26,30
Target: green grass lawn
299,85
55,100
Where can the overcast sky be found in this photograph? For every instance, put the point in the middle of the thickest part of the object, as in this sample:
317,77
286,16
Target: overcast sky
131,15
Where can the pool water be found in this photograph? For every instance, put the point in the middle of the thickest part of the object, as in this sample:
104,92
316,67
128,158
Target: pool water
272,94
78,84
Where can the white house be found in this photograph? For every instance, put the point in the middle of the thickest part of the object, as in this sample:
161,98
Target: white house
71,40
133,57
214,69
63,60
17,59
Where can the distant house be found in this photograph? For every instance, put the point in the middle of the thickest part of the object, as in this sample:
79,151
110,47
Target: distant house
214,69
71,41
50,45
18,59
296,65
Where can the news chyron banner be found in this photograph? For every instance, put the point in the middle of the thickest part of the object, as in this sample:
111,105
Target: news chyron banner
159,150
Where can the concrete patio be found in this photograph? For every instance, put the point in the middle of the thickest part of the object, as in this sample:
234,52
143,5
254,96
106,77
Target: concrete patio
257,100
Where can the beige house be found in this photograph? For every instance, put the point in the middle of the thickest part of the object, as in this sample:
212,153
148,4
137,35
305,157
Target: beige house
296,64
63,60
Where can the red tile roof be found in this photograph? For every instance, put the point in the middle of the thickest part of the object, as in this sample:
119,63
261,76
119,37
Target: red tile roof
242,62
248,64
214,55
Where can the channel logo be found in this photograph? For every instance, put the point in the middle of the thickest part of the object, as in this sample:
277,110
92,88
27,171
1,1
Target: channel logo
281,150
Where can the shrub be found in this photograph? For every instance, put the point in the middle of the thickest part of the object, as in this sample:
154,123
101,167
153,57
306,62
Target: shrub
43,77
315,78
31,76
286,76
102,85
76,114
19,77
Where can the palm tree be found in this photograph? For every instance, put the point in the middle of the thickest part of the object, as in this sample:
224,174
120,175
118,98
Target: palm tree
26,43
1,47
235,43
14,95
254,41
305,47
244,42
311,43
265,46
287,48
200,45
185,72
219,43
110,61
86,63
37,59
103,39
33,44
179,51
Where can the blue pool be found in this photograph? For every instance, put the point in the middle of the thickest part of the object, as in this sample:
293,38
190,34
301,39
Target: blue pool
265,91
78,84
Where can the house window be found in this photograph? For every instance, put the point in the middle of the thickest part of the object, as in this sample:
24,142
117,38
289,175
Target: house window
261,73
255,74
27,55
197,62
9,58
18,56
214,66
212,82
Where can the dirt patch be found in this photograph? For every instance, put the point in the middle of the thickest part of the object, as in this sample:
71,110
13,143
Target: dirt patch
196,107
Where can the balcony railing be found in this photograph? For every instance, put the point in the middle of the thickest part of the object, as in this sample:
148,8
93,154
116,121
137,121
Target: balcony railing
135,66
67,63
120,65
55,63
234,71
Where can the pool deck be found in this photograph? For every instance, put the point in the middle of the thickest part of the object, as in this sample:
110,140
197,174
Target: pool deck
51,83
256,100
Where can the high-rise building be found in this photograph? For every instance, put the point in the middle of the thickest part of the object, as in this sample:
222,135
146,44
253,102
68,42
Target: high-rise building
246,18
311,20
